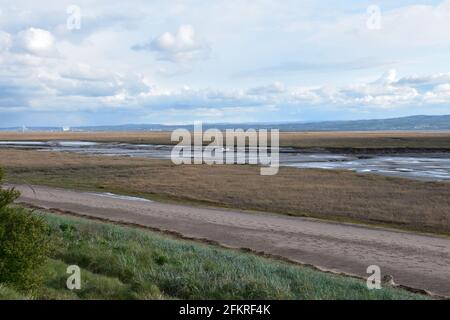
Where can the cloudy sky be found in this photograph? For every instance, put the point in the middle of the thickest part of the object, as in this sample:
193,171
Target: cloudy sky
70,63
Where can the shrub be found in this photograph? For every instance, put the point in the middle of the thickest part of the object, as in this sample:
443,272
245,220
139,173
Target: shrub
24,247
24,243
7,196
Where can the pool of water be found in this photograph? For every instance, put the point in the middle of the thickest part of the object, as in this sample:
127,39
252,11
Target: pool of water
420,166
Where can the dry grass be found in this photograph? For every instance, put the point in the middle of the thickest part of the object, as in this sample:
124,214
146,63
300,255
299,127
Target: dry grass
429,140
416,140
343,195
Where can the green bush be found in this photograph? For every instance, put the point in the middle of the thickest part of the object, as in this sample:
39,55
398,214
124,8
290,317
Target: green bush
24,243
7,196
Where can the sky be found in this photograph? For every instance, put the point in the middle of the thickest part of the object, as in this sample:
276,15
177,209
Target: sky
74,63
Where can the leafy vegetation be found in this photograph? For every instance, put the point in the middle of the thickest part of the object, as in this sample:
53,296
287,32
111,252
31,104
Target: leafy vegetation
24,243
7,196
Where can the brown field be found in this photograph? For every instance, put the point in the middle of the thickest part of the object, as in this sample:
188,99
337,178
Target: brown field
346,140
339,195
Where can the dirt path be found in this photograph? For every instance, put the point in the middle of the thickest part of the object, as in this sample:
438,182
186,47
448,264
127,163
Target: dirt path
418,261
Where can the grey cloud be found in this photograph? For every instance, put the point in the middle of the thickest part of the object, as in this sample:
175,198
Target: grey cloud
274,88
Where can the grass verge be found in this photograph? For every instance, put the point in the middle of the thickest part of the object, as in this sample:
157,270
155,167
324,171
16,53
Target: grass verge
128,263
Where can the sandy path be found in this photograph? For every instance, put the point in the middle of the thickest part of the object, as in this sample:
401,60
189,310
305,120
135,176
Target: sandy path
418,261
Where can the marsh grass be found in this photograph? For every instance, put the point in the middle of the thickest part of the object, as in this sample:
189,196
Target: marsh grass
325,194
343,140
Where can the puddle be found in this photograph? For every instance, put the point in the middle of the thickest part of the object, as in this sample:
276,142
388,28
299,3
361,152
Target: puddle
121,197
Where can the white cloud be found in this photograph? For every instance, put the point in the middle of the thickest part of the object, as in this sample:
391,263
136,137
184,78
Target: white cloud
388,92
425,80
179,47
37,41
408,26
34,76
388,77
44,86
326,62
440,94
5,41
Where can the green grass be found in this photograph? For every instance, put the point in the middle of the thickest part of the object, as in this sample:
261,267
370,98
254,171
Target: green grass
10,294
129,263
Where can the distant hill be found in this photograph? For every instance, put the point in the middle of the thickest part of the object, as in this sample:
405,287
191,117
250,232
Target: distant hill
411,123
404,123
